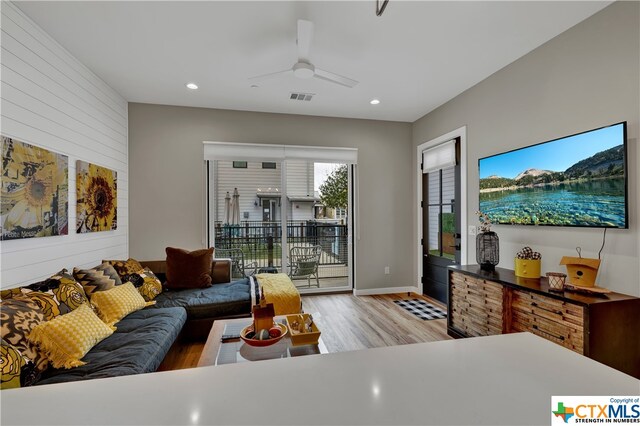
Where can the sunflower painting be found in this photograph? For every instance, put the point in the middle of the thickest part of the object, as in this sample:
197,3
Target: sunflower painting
97,194
34,191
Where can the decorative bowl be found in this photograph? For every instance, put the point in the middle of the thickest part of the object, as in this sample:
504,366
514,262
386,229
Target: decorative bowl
266,342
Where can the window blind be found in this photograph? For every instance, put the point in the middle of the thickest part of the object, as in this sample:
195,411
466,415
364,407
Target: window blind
262,152
439,157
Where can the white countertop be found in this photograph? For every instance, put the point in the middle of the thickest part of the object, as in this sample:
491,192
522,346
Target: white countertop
506,379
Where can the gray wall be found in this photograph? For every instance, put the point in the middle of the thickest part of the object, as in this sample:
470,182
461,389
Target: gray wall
167,193
585,78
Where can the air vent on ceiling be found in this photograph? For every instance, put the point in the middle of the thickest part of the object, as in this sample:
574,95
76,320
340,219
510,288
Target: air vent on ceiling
301,96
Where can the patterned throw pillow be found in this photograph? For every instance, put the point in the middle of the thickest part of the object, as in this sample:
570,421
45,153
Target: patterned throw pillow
148,285
9,293
16,370
120,301
67,338
100,278
125,267
19,316
57,295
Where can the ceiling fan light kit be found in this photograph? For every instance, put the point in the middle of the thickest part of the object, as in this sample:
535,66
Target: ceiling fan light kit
304,69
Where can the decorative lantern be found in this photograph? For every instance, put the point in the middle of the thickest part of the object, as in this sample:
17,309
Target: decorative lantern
487,250
487,244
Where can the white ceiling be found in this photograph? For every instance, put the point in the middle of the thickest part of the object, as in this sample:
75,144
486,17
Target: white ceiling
415,57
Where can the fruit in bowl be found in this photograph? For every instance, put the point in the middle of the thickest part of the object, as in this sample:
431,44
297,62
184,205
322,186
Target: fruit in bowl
264,337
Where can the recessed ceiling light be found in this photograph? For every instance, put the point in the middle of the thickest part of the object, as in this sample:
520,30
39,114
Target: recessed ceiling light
374,101
192,86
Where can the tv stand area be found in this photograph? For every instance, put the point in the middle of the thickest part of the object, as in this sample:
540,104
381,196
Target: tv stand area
604,328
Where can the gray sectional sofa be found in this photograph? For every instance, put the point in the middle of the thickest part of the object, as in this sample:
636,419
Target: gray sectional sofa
143,338
224,299
139,345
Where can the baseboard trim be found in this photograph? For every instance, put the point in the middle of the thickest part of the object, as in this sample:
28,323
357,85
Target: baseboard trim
385,290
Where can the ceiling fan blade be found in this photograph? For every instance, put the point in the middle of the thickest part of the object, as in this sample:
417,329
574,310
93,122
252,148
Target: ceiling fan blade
305,34
334,78
263,77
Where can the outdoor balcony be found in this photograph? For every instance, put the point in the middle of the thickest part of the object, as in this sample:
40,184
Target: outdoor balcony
261,242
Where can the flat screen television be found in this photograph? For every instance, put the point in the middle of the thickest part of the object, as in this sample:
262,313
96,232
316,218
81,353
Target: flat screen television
578,180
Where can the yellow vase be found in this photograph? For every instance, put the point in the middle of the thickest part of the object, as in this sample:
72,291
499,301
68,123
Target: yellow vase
528,268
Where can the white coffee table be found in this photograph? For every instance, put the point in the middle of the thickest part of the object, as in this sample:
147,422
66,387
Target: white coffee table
216,352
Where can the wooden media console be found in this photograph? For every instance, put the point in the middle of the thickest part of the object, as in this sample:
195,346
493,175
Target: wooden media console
605,328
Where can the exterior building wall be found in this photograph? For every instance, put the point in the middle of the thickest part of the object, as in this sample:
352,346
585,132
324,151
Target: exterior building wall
300,183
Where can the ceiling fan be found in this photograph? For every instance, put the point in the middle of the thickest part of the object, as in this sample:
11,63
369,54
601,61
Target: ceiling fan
304,68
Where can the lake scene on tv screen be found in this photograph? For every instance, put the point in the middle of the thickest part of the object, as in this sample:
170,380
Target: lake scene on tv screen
574,181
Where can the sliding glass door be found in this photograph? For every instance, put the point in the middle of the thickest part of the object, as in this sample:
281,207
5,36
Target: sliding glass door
317,201
291,216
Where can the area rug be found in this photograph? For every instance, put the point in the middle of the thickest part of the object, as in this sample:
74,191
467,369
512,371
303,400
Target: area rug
421,309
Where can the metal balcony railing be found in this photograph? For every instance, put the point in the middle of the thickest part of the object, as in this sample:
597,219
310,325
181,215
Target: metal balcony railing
261,242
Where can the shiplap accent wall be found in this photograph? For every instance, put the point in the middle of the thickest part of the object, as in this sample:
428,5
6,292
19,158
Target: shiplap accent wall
50,99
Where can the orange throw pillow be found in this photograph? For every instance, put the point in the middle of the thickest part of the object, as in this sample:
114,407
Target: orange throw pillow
188,269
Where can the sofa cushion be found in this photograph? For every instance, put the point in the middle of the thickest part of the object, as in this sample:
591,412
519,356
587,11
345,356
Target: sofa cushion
99,278
130,270
217,301
188,269
67,338
125,267
148,285
18,317
139,345
17,370
57,295
113,305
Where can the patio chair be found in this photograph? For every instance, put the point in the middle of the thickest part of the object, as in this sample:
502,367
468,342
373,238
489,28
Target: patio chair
238,267
303,263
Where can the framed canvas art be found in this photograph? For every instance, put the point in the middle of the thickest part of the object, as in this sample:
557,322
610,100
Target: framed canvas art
97,198
34,191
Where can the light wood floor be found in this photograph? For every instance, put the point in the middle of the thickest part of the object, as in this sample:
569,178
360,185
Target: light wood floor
348,323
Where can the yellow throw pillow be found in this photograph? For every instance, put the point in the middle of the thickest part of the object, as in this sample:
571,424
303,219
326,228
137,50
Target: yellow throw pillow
67,338
118,302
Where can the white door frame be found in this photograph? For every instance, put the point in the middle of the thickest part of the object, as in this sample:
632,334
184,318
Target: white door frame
457,133
212,190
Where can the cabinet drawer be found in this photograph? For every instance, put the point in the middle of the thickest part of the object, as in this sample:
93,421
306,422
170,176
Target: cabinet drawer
551,309
555,320
566,337
457,277
492,288
476,305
